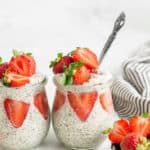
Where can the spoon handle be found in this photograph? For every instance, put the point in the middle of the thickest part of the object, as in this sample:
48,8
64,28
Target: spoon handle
119,23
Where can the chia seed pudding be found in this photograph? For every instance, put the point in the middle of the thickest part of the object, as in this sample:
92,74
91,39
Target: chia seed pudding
35,125
73,131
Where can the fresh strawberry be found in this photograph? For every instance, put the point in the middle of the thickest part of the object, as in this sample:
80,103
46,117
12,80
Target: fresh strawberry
140,125
81,75
120,129
41,103
106,101
23,64
82,103
86,56
3,68
16,111
58,101
61,64
14,80
130,142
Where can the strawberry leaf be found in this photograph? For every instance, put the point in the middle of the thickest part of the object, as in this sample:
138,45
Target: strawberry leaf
56,60
1,60
145,115
16,52
105,132
29,54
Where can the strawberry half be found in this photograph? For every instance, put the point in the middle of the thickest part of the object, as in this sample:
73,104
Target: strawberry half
86,56
82,103
41,103
120,129
106,101
23,64
61,64
16,111
58,101
81,75
140,125
3,68
14,80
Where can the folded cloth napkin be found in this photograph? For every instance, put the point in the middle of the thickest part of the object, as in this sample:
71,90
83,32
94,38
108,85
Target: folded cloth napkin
131,92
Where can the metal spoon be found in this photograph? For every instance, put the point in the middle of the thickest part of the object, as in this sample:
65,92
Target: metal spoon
119,23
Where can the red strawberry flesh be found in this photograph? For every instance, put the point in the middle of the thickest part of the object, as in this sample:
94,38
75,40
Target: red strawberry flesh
3,68
82,103
16,111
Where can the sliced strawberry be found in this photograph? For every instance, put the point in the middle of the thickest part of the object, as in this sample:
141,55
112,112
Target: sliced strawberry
41,103
3,68
58,101
82,103
86,56
120,129
130,142
63,62
81,75
106,101
16,111
23,64
140,125
15,80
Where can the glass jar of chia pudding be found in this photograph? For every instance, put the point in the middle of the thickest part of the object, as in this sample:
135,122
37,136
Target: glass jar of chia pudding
81,112
24,115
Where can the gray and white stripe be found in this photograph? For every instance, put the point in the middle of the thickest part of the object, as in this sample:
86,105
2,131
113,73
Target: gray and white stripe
131,94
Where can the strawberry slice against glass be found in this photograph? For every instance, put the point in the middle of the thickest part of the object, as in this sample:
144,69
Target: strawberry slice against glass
58,101
86,56
23,64
41,103
82,103
106,101
16,111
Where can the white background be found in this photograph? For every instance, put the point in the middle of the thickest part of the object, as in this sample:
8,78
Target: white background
46,27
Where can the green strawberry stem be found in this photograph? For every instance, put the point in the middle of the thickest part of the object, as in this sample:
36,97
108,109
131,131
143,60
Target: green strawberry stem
56,60
17,53
105,132
1,60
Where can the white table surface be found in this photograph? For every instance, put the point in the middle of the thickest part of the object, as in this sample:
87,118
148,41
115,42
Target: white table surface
46,27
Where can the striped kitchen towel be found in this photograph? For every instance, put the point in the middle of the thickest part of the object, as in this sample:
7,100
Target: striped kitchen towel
131,93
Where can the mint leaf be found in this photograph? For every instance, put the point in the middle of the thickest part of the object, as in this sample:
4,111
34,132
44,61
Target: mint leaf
56,60
1,60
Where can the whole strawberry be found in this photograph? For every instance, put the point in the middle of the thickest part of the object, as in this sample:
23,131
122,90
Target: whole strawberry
3,67
134,141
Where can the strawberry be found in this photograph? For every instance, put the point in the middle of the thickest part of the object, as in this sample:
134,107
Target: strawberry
86,56
58,101
16,111
140,125
23,64
106,101
3,68
81,75
82,103
120,129
61,64
14,80
130,142
41,103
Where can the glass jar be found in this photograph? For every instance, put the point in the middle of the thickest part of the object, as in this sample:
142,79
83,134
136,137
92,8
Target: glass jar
24,116
80,114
